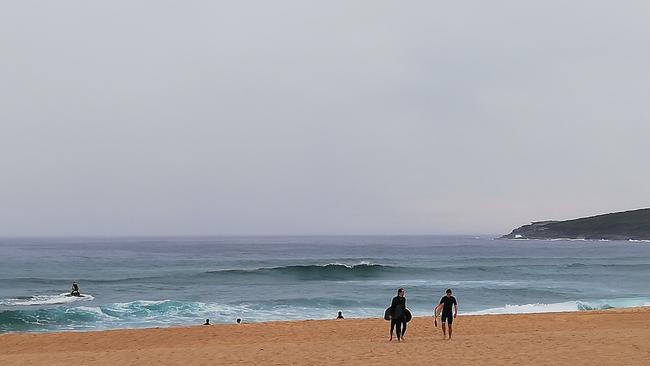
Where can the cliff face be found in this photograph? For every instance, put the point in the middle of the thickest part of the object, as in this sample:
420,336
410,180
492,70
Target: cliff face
634,225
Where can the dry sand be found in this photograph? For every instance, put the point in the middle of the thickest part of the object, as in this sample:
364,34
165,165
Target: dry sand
614,337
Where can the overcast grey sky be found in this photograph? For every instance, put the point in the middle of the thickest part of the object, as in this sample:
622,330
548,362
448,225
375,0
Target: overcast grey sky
332,117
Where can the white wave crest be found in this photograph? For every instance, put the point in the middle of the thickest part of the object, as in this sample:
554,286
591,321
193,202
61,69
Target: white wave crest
361,263
46,300
565,306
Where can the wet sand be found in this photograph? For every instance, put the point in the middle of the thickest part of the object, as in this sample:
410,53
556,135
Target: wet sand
612,337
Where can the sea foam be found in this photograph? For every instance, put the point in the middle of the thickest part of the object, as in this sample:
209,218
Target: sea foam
565,306
45,300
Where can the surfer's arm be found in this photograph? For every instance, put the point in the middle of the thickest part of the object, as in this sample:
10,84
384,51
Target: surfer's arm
436,310
455,310
393,304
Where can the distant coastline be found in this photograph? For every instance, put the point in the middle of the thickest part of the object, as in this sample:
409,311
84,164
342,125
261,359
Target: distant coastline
626,225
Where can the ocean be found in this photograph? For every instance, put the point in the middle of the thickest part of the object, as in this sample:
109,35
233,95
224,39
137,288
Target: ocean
157,282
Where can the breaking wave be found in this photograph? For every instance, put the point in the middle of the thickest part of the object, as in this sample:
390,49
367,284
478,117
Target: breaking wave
59,299
139,314
331,271
566,306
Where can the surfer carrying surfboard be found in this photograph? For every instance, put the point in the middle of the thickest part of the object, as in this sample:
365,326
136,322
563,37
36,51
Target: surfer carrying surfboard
448,306
398,315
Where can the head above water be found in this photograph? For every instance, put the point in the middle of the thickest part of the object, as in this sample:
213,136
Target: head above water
400,292
448,292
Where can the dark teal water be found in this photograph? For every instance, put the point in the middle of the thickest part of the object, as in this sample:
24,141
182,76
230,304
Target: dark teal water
145,282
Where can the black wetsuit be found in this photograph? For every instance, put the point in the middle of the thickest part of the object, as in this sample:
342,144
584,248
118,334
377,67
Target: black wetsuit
447,309
398,316
75,290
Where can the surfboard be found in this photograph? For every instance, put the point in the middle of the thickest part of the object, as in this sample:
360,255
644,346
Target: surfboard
408,314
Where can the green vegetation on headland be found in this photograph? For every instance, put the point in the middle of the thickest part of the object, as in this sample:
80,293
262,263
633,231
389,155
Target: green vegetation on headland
627,225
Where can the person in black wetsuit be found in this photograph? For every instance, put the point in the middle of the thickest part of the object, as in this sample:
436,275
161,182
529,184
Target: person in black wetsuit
75,289
398,315
448,306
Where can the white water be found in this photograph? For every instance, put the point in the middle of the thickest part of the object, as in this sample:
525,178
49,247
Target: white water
565,306
46,300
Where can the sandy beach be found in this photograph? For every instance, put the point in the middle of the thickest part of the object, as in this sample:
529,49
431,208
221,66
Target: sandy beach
612,337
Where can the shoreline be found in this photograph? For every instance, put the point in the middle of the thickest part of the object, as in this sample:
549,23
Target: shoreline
468,314
184,326
613,337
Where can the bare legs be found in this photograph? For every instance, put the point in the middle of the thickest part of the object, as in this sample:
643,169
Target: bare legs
444,330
